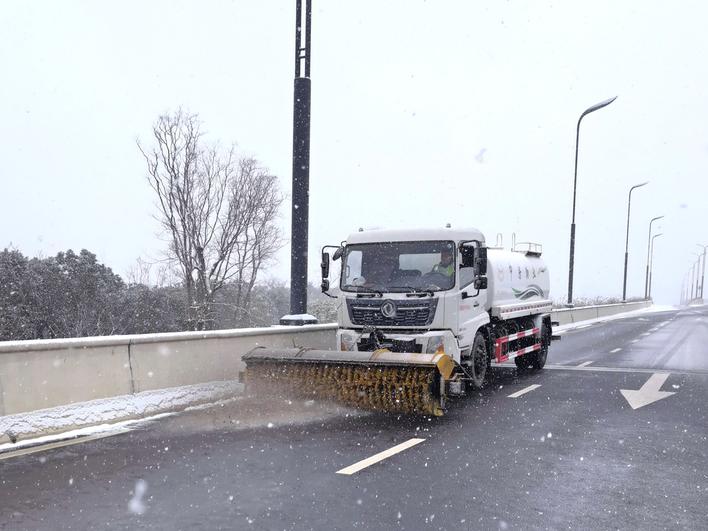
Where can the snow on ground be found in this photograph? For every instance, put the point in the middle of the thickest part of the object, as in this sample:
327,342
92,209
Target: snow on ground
106,410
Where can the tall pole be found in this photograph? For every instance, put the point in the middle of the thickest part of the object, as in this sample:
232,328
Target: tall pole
301,161
703,272
626,242
646,280
571,264
690,279
651,271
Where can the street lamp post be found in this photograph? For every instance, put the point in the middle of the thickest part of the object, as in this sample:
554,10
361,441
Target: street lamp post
587,111
696,275
703,270
646,280
626,242
651,261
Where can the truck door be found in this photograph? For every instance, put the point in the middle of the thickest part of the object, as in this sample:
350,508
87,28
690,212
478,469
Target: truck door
472,305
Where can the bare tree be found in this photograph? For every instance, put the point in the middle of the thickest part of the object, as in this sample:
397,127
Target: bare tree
219,211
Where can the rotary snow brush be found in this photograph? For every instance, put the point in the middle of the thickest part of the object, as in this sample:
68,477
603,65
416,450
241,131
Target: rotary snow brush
381,380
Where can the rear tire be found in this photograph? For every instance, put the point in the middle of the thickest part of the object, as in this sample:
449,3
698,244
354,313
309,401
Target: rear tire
538,360
479,361
523,362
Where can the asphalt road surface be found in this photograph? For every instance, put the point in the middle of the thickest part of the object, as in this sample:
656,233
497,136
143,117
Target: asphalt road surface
613,434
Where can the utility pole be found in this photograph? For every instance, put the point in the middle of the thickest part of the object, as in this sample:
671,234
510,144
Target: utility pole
301,169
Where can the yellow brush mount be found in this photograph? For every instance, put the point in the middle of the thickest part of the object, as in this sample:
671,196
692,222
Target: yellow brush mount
381,380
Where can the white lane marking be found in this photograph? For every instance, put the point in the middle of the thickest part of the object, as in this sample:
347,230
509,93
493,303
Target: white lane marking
525,390
352,469
647,393
615,350
59,444
653,329
585,364
646,334
634,341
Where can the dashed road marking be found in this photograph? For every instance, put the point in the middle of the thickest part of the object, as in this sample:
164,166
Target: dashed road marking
634,341
646,334
525,390
615,350
585,364
360,465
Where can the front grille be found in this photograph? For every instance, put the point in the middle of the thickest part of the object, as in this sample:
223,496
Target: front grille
408,313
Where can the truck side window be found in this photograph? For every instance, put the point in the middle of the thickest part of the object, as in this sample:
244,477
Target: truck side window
353,266
466,276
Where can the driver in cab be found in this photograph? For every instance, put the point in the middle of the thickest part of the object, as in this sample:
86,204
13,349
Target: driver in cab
446,266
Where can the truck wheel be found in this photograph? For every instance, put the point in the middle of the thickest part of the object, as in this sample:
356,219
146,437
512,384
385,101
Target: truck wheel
523,362
539,358
479,362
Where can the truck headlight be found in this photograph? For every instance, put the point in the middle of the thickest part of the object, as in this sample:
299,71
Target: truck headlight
347,342
435,343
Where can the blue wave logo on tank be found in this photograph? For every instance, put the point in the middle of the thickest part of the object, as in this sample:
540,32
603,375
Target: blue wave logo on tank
531,291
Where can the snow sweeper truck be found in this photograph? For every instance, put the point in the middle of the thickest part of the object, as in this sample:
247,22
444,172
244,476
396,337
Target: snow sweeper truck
423,315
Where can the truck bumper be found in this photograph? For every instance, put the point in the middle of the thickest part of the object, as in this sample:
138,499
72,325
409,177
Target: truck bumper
421,343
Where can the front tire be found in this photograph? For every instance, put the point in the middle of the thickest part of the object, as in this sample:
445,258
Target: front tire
479,362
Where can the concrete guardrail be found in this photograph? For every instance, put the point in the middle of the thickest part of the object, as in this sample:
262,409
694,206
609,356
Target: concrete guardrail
41,374
586,313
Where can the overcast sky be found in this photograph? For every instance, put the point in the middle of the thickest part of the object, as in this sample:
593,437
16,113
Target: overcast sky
423,113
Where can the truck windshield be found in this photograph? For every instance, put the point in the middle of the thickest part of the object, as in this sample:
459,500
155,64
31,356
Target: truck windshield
399,266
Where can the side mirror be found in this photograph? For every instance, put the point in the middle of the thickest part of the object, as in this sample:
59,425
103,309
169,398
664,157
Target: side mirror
325,285
480,283
481,262
338,253
324,266
467,252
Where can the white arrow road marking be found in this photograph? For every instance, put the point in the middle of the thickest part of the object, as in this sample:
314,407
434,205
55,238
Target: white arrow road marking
352,469
649,392
525,390
615,350
585,364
